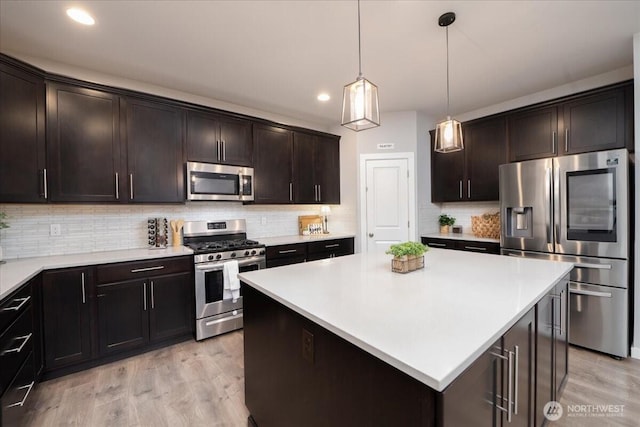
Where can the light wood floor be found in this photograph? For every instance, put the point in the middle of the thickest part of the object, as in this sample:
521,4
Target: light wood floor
202,384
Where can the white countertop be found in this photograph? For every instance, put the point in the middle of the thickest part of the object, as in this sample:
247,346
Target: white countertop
288,240
460,236
430,323
15,273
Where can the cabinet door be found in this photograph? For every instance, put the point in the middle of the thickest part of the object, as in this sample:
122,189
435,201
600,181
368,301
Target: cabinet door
272,167
153,133
237,144
544,356
203,137
446,175
123,318
533,134
22,137
560,335
67,313
304,166
83,144
594,123
485,149
327,170
520,341
172,311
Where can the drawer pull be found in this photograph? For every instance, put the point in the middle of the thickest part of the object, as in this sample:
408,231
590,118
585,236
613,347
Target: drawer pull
440,245
475,248
25,339
332,246
288,251
24,399
140,270
23,301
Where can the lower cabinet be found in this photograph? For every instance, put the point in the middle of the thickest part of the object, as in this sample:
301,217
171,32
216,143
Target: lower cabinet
462,245
329,249
311,251
280,255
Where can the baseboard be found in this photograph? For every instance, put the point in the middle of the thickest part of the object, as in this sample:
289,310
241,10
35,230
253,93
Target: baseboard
635,352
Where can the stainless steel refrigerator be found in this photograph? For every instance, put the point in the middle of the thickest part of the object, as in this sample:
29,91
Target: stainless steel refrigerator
576,208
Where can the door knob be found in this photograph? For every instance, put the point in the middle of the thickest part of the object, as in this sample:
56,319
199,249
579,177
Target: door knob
370,234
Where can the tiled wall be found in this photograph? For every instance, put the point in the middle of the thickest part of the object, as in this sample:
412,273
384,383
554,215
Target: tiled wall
462,211
89,228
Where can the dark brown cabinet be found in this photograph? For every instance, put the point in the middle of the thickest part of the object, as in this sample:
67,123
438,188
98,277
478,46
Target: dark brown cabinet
83,144
533,134
67,316
273,147
310,251
213,138
329,249
153,135
471,174
316,169
286,254
22,136
462,245
172,311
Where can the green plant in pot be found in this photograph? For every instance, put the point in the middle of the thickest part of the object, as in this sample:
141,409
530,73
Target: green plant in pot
445,222
407,249
3,224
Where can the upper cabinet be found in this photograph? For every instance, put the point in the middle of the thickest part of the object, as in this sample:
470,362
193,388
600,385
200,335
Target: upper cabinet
153,135
273,180
471,174
22,136
215,138
316,168
83,144
598,120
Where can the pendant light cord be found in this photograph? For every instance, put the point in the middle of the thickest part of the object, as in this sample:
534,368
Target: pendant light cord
359,45
447,32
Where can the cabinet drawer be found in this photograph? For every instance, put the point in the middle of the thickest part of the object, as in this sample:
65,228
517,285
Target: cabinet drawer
109,273
13,306
439,243
286,251
475,246
15,344
16,398
342,246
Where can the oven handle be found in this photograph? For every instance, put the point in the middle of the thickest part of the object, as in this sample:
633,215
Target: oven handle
219,265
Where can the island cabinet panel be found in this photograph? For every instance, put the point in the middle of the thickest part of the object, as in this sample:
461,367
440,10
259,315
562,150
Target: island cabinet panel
83,144
68,313
22,136
273,180
214,138
153,135
299,374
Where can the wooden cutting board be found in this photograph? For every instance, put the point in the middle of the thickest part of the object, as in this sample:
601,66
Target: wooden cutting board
305,220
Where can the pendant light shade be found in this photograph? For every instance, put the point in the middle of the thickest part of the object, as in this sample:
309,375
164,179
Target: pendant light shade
360,109
449,131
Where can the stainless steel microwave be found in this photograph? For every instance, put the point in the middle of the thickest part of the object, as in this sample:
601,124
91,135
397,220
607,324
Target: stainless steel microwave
207,181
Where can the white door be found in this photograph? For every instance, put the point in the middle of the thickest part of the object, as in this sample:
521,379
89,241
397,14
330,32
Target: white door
387,203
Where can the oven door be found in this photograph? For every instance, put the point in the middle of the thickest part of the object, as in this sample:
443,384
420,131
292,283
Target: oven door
592,204
219,182
211,298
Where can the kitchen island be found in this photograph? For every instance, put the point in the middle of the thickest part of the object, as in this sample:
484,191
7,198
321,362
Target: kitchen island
345,341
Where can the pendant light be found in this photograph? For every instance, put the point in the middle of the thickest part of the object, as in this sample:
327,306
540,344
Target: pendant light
360,98
449,131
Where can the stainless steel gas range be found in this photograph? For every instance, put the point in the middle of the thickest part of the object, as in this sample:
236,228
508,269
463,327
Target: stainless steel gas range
215,243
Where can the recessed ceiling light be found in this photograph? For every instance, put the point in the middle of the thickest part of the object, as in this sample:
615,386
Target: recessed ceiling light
80,16
324,97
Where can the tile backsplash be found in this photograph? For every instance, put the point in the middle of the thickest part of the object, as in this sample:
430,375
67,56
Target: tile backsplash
91,228
463,211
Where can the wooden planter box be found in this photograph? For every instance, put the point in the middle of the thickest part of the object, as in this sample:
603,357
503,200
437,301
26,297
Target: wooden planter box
407,263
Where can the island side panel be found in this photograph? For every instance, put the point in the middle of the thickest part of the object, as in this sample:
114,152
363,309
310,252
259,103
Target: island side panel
298,373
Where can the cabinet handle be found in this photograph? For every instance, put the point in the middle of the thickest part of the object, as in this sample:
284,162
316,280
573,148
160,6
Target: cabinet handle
566,140
44,182
288,251
319,192
291,191
461,189
439,245
218,149
24,399
516,351
224,151
153,302
117,192
25,340
553,142
559,297
23,301
315,193
509,399
335,245
131,185
144,296
139,270
84,295
468,189
475,248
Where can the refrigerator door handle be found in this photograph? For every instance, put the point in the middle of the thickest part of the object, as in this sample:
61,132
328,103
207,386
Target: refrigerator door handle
549,219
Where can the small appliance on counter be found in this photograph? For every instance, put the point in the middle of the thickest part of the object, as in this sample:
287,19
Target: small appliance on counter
157,232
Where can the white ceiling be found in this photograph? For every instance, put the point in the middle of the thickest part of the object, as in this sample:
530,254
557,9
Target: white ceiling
278,55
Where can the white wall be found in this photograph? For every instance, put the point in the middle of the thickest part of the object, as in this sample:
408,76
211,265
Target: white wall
635,348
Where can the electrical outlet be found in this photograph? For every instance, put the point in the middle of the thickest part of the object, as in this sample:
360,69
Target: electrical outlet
55,230
263,221
307,346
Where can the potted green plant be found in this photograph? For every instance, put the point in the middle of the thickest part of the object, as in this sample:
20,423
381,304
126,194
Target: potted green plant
445,222
407,256
3,224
